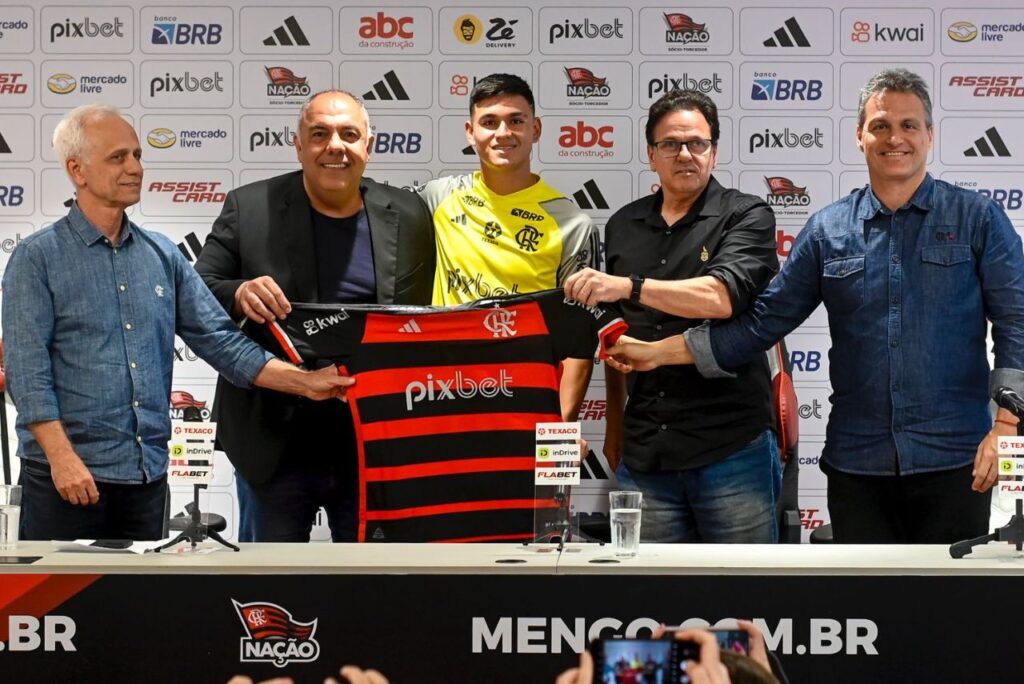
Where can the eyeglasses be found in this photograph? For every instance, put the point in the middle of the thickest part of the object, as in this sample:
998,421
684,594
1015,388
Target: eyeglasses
697,147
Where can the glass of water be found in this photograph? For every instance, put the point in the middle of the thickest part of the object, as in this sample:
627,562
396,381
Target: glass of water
624,509
10,515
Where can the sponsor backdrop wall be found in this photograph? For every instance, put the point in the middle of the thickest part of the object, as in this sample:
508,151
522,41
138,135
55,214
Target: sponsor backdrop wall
213,91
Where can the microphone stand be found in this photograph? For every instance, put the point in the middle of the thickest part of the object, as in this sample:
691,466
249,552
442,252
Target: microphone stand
196,530
1011,533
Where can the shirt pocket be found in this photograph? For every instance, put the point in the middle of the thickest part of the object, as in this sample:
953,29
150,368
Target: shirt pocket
946,272
842,284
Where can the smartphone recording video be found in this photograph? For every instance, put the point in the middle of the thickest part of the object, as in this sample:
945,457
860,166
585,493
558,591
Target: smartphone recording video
735,640
641,661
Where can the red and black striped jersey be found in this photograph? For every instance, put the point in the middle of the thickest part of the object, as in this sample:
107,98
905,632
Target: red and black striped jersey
445,404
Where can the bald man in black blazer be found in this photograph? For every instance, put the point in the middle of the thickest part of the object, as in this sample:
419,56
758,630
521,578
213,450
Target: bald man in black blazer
323,234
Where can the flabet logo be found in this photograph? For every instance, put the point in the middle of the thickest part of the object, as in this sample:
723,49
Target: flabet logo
274,636
441,389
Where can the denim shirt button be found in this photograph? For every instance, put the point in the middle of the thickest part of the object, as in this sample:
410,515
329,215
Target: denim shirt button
895,258
894,342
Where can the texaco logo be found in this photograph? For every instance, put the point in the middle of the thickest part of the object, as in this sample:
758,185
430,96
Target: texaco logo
528,237
501,322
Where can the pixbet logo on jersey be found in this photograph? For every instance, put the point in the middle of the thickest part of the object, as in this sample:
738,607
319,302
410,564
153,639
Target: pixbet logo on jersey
87,28
457,385
274,636
682,30
186,83
584,84
190,192
168,31
768,88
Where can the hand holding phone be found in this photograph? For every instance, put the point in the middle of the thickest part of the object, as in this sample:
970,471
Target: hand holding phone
642,661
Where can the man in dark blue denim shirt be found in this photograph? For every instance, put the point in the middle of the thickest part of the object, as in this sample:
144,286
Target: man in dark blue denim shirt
91,306
909,269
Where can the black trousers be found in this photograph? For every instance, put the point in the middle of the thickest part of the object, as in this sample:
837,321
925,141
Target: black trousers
124,511
927,508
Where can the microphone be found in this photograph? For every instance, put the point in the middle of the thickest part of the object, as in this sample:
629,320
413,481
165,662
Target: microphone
1011,401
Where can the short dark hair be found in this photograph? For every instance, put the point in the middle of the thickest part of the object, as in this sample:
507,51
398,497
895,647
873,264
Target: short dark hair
500,84
898,80
683,100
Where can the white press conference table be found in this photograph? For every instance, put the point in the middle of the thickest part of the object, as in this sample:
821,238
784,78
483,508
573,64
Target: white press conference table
509,612
683,559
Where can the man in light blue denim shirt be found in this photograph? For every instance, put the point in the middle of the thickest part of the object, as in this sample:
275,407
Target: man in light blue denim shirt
909,269
91,306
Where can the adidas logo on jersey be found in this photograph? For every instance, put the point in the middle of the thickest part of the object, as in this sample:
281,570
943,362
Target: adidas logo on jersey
411,326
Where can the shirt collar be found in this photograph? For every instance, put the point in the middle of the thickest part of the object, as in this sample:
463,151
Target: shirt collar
708,204
88,232
869,205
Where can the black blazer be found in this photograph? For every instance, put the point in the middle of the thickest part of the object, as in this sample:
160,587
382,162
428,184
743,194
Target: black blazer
266,228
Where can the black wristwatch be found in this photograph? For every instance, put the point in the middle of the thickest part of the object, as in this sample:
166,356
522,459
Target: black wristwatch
638,283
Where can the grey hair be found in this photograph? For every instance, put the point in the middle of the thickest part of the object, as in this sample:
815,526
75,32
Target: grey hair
900,81
335,91
69,135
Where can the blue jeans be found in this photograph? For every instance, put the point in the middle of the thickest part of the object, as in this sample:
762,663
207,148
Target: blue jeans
284,509
731,501
124,511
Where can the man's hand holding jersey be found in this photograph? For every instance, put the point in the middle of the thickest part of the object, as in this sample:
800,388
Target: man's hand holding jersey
260,300
592,287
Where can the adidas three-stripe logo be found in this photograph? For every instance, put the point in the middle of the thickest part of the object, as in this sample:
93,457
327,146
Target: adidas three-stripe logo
381,89
190,247
290,33
590,197
788,35
411,326
989,145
